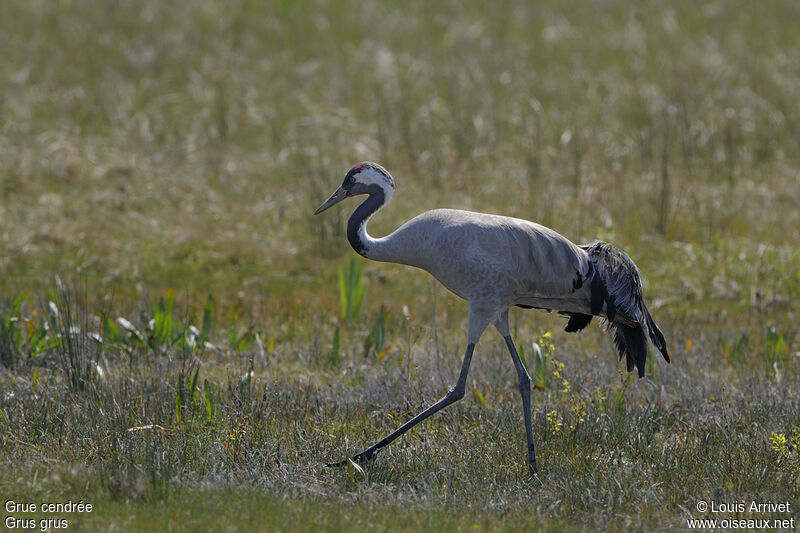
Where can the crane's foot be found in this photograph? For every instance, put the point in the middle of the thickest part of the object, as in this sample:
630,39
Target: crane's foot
535,473
367,455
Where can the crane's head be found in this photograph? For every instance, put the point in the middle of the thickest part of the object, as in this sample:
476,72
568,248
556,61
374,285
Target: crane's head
364,178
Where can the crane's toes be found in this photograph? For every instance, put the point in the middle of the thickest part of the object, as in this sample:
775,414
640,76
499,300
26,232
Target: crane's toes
535,473
366,455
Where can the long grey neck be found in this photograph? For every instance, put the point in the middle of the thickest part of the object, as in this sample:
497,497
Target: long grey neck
357,234
392,248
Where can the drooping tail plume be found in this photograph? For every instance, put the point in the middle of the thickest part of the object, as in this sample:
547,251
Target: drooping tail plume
617,292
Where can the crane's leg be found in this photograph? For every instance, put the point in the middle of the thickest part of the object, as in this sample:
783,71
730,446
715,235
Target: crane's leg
524,388
478,320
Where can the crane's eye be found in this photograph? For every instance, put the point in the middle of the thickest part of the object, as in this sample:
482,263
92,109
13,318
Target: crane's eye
352,179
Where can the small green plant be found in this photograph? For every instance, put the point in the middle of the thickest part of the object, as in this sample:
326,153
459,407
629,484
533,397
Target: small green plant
209,311
188,401
544,350
235,442
211,399
135,336
554,422
783,445
539,367
778,441
240,342
179,399
162,335
546,345
478,396
110,331
35,380
376,340
600,400
351,290
21,337
10,333
619,402
736,352
334,357
775,354
578,414
76,348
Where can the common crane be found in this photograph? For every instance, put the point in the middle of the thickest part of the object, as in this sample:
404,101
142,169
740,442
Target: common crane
496,262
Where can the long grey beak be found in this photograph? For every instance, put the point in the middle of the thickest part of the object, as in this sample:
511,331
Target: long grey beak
335,198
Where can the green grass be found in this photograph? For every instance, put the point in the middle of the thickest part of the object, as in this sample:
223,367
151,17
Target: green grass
160,163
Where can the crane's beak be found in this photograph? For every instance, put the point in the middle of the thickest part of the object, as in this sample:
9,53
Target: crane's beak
335,198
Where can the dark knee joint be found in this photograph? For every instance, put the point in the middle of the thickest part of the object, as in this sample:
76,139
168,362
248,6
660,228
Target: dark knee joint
455,394
524,383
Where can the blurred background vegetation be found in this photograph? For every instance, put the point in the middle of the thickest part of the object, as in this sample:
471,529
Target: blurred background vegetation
186,146
164,154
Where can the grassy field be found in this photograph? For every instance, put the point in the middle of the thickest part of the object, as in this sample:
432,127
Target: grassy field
177,343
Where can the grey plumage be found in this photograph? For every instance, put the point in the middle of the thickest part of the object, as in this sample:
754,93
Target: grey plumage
490,259
496,262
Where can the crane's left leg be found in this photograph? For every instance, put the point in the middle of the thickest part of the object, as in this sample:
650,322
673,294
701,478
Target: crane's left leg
479,318
524,388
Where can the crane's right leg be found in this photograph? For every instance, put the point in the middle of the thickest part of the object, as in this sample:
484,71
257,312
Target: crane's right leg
478,320
524,388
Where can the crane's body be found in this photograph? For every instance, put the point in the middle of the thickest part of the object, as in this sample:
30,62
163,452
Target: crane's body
499,260
496,262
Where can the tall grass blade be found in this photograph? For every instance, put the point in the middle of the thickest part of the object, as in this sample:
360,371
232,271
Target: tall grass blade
539,367
76,351
193,387
163,322
211,399
351,290
11,337
335,356
110,329
376,340
179,400
208,319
